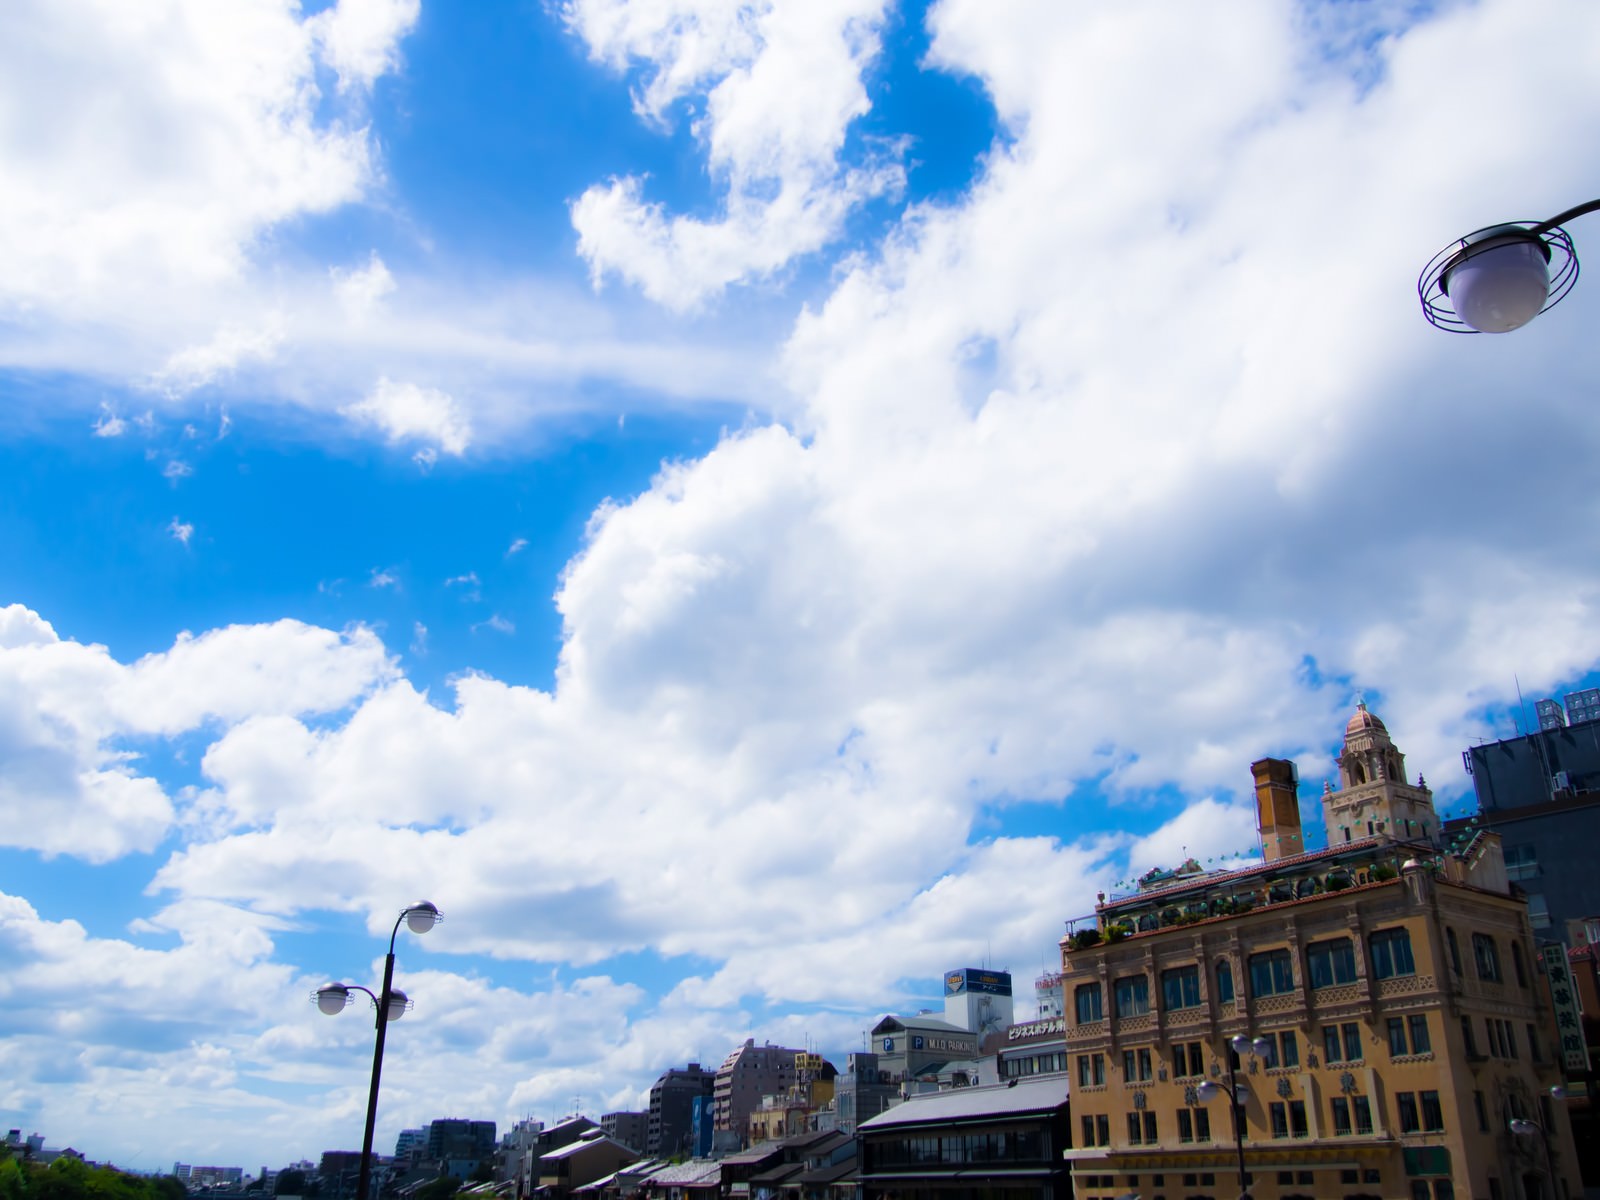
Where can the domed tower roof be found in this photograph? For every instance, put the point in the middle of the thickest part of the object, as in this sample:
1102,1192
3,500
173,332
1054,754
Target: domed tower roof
1364,721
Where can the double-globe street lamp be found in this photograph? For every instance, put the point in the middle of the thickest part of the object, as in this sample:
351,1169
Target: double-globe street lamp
1209,1090
1523,1127
391,1004
1500,277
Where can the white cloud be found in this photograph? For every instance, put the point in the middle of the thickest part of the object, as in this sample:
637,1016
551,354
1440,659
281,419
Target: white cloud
360,38
180,530
383,578
109,425
179,130
196,366
176,469
361,289
66,708
405,412
518,545
782,81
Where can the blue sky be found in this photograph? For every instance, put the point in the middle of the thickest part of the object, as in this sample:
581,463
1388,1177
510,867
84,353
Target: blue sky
745,505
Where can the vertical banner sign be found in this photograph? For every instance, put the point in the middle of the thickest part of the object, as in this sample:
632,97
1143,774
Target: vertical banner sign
1569,1021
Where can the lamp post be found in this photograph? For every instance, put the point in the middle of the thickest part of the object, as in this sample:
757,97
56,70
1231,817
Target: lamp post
1240,1045
1522,1127
1498,278
391,1004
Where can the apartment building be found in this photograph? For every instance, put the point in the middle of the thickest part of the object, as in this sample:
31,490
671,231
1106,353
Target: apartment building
1374,1006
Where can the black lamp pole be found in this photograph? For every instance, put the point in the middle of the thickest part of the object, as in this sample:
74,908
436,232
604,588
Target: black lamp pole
1238,1047
390,1004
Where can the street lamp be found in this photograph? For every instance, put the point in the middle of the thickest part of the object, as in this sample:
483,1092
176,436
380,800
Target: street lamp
1523,1127
1241,1046
391,1004
1498,278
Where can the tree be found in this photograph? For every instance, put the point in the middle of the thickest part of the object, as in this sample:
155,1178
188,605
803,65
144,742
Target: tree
439,1189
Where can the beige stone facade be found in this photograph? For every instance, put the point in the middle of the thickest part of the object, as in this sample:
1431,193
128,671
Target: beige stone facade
1390,990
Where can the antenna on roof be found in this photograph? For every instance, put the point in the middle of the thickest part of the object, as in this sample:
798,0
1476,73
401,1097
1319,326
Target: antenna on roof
1521,716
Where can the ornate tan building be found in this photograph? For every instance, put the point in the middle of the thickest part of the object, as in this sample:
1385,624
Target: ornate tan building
1375,1006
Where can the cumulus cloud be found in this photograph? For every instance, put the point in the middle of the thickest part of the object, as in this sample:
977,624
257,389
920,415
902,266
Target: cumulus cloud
782,83
408,412
179,131
181,531
68,712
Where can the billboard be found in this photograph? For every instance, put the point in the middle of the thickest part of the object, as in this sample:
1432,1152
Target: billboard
971,979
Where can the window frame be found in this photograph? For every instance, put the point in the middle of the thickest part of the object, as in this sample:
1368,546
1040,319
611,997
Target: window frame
1387,948
1330,962
1273,967
1130,996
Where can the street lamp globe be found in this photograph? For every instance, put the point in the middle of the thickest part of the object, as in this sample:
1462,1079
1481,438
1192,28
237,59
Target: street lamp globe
422,916
399,1003
1524,1127
332,997
1500,279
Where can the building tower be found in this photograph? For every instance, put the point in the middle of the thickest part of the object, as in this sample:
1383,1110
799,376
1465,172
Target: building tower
1278,808
1373,796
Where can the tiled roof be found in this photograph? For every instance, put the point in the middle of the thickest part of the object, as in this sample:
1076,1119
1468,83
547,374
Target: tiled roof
1201,882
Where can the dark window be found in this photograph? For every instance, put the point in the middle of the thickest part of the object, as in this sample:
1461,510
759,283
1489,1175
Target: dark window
1280,1119
1150,1124
1297,1117
1421,1040
1180,988
1332,1049
1331,962
1134,1136
1352,1041
1391,953
1363,1109
1482,1110
1185,1125
1455,950
1186,1060
1420,1190
1517,963
1088,1131
1467,1040
1083,1070
1102,1129
1406,1105
1087,998
1397,1036
1442,1190
1132,994
1136,1065
1533,1045
1341,1117
1202,1125
1271,973
1432,1114
1289,1049
1224,982
1486,956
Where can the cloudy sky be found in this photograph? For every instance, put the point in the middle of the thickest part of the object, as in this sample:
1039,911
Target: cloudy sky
745,504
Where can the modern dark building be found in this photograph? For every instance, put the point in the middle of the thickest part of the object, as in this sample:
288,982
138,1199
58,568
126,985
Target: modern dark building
863,1091
459,1146
632,1129
671,1119
1541,794
1001,1142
